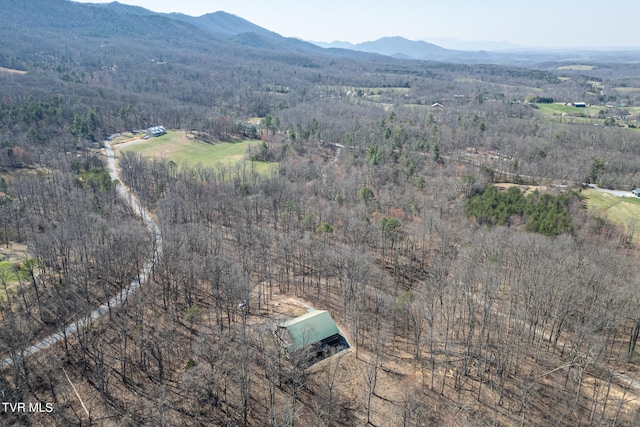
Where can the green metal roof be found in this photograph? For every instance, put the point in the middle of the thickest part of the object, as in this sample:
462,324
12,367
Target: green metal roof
309,328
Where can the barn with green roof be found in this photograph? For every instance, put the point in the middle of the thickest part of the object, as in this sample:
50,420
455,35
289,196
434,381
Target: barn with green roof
316,326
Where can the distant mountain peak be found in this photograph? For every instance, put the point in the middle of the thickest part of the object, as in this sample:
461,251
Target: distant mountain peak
223,23
125,8
401,47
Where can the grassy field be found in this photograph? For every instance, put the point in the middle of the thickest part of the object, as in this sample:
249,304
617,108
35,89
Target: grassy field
627,89
558,109
176,146
9,276
589,115
6,271
592,111
624,211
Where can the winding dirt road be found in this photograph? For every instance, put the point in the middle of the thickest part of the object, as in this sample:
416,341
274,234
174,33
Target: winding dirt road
116,300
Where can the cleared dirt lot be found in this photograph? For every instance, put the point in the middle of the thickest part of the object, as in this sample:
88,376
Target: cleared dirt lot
392,370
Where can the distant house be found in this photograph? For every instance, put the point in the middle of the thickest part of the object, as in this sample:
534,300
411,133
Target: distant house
579,104
437,105
156,131
315,327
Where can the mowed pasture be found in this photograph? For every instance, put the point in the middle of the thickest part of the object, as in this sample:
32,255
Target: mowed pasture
182,149
623,211
559,109
592,111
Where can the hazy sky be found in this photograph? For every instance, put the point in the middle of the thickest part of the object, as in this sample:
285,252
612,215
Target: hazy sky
557,23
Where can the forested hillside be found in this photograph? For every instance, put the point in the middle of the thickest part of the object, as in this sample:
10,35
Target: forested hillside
462,304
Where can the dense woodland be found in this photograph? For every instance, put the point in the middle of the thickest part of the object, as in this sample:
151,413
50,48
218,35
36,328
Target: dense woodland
463,305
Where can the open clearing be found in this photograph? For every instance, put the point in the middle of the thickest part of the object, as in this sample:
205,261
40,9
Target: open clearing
626,89
624,211
559,109
578,67
8,277
7,272
11,256
12,71
526,189
181,149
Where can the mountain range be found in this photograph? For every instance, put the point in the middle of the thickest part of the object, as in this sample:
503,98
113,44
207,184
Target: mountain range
46,20
481,52
399,47
223,23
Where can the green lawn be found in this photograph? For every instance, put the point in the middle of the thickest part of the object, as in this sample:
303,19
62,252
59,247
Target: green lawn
9,276
6,271
179,148
624,211
589,115
592,111
558,109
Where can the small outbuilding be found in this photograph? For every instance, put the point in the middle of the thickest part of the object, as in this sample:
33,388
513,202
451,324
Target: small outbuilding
316,327
579,104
